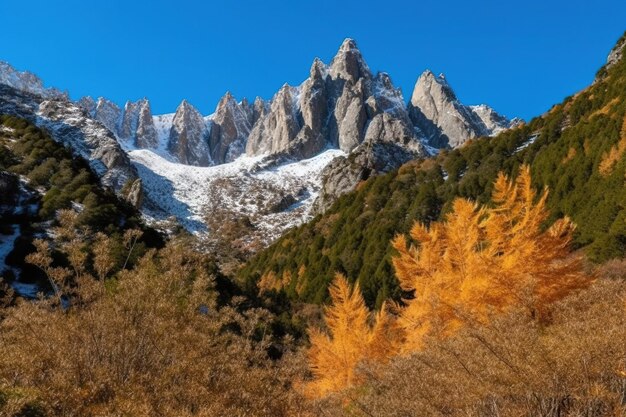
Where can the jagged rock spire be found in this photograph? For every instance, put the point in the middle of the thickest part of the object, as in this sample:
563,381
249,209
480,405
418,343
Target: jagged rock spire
188,140
230,128
435,110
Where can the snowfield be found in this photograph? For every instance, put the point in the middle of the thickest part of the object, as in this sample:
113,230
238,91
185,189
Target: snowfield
201,198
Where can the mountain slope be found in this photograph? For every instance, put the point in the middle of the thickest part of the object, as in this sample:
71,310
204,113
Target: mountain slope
577,149
39,177
70,125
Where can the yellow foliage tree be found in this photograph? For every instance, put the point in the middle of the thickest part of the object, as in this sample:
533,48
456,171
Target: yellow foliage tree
351,339
485,260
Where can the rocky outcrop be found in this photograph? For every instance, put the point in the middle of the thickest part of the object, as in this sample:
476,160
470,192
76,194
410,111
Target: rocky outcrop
134,193
331,108
616,53
189,137
137,125
88,104
615,56
109,114
146,134
445,122
493,121
371,158
230,127
280,125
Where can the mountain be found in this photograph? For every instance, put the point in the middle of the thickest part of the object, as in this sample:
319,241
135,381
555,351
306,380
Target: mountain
436,111
230,127
259,167
577,149
341,105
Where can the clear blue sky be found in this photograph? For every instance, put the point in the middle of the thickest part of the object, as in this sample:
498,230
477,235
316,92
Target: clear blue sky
520,57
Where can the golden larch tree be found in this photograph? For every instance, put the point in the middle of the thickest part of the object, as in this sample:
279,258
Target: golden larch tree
485,260
353,336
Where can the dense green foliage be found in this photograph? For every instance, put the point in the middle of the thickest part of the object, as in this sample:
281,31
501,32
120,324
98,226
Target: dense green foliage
565,148
61,181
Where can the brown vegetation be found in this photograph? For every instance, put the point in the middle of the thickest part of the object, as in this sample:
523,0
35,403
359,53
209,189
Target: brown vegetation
146,342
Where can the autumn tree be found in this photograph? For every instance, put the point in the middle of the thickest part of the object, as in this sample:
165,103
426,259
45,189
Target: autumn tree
485,260
351,339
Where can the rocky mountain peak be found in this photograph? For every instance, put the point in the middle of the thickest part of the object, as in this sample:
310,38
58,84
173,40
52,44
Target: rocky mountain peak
145,134
188,139
27,82
132,125
434,86
109,114
88,104
319,70
617,52
274,132
230,127
435,110
348,64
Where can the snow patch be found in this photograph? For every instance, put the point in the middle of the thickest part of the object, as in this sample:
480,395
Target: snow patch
531,139
273,198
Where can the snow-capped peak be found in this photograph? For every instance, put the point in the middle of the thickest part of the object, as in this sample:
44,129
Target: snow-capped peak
28,82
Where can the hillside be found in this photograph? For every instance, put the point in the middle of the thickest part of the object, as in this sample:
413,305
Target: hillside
576,149
39,177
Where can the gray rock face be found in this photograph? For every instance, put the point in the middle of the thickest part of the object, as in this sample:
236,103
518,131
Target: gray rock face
109,114
88,104
389,143
349,64
615,56
134,195
616,53
370,158
446,122
274,132
230,128
146,134
189,137
133,125
137,125
493,121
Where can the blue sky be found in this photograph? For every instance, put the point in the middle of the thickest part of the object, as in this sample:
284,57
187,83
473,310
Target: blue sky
520,57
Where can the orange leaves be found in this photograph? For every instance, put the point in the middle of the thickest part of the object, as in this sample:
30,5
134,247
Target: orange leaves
351,339
482,261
